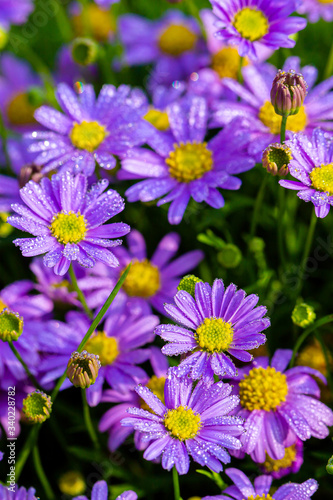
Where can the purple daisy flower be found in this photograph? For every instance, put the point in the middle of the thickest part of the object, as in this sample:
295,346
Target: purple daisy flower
243,489
312,166
91,130
316,9
18,493
193,421
217,321
9,192
258,113
106,3
100,492
278,406
18,298
14,12
253,24
184,165
289,464
68,221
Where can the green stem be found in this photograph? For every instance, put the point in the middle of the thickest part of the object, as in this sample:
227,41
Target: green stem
79,292
307,249
30,375
329,65
239,73
41,474
283,129
281,206
26,450
4,137
194,12
175,479
87,420
306,333
257,206
63,23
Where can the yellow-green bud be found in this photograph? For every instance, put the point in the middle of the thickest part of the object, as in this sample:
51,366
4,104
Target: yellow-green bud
329,466
72,483
303,315
82,369
256,245
5,228
188,284
11,325
3,38
276,159
37,407
230,256
84,51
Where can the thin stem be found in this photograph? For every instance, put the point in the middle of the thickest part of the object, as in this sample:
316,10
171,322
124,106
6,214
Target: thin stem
239,73
329,65
26,450
194,12
257,206
30,375
175,479
79,291
307,249
306,333
41,474
63,23
281,206
87,420
4,137
283,129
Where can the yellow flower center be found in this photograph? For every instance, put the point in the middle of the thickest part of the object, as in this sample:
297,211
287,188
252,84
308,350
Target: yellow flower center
322,178
156,385
295,123
263,389
252,24
159,119
177,39
2,306
3,38
226,62
271,465
68,227
20,111
98,22
72,483
87,135
105,347
143,280
189,161
325,1
259,497
182,423
214,335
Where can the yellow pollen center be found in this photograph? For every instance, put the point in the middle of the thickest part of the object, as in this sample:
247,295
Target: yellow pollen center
159,119
87,135
271,465
105,347
2,306
259,497
177,39
325,1
189,161
226,62
322,178
156,385
252,24
20,111
295,123
263,389
68,227
214,335
143,279
100,23
182,423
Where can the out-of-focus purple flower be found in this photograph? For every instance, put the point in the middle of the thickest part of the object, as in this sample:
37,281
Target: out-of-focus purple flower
18,298
316,9
312,166
19,493
100,492
68,71
253,24
14,12
105,3
183,165
258,113
279,406
217,321
243,489
90,130
68,221
193,421
289,464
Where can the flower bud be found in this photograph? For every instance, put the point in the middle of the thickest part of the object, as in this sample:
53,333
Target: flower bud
329,466
257,245
84,51
303,315
276,158
230,256
5,228
11,325
288,92
82,369
188,284
37,407
3,38
72,483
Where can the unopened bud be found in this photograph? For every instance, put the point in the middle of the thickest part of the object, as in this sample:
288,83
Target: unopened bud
84,51
72,483
37,407
82,369
188,284
276,159
288,92
11,325
329,466
5,228
303,315
230,256
3,38
257,245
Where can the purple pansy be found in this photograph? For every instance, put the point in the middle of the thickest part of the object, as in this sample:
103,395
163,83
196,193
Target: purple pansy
183,165
18,493
253,24
14,12
193,421
100,492
91,130
242,488
68,221
312,166
316,9
217,321
278,406
258,114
